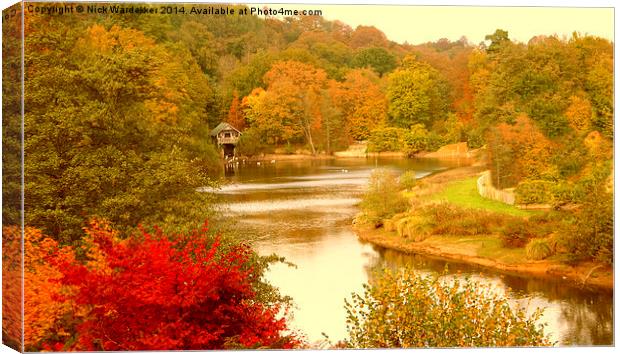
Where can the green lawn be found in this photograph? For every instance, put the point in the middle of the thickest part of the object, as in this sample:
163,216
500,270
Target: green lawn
465,193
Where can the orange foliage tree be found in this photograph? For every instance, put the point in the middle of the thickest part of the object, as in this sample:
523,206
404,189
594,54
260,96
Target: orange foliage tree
47,315
361,102
235,114
579,113
368,36
292,102
519,152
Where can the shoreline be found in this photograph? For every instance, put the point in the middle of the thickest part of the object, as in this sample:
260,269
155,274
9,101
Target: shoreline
574,275
584,274
338,156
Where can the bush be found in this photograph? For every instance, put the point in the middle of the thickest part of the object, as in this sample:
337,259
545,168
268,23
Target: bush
591,234
383,199
434,141
407,180
564,193
389,225
407,310
150,292
534,192
402,229
538,249
516,234
475,137
416,139
386,139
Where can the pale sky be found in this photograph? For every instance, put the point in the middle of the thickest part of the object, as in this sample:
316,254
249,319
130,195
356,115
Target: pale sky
408,20
419,24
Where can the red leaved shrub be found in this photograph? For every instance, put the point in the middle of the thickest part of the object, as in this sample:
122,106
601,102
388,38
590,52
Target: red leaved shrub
152,292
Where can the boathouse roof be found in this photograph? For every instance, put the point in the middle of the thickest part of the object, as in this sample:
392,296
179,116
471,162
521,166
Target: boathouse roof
223,126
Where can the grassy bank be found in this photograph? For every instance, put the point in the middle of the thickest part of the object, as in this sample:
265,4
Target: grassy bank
450,220
464,193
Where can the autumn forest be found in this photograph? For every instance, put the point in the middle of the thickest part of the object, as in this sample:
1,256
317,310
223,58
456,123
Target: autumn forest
125,251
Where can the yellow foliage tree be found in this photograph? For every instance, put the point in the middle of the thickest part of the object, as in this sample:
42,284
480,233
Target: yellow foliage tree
579,113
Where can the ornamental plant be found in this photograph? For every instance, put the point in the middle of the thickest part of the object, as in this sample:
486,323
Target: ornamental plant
151,291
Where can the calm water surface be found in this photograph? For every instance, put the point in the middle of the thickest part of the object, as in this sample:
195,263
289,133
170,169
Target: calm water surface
303,210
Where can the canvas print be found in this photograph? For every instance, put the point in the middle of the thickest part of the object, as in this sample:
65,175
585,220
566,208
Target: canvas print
213,176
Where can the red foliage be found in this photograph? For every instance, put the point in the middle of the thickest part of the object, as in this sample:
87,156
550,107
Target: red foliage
235,114
156,294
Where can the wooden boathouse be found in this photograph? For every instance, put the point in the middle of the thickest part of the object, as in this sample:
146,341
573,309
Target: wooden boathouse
226,137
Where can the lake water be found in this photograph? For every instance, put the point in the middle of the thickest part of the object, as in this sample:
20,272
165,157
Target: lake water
303,210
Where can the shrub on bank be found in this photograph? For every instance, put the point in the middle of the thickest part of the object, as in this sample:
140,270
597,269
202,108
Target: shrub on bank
383,199
534,192
407,180
448,219
412,228
538,249
516,234
406,310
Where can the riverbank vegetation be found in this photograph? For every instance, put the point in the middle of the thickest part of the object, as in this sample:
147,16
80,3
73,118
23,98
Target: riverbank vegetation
447,218
407,310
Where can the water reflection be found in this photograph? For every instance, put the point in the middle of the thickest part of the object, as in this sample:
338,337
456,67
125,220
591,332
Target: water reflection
302,210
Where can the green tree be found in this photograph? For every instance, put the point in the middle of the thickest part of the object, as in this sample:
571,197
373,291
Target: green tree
591,235
498,38
407,310
124,142
417,94
379,59
11,119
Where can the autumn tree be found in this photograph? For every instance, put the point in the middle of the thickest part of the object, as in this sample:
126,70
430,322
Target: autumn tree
48,314
332,55
12,299
363,105
368,36
182,292
417,93
11,118
150,291
125,142
579,113
451,59
292,102
376,58
235,115
518,152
